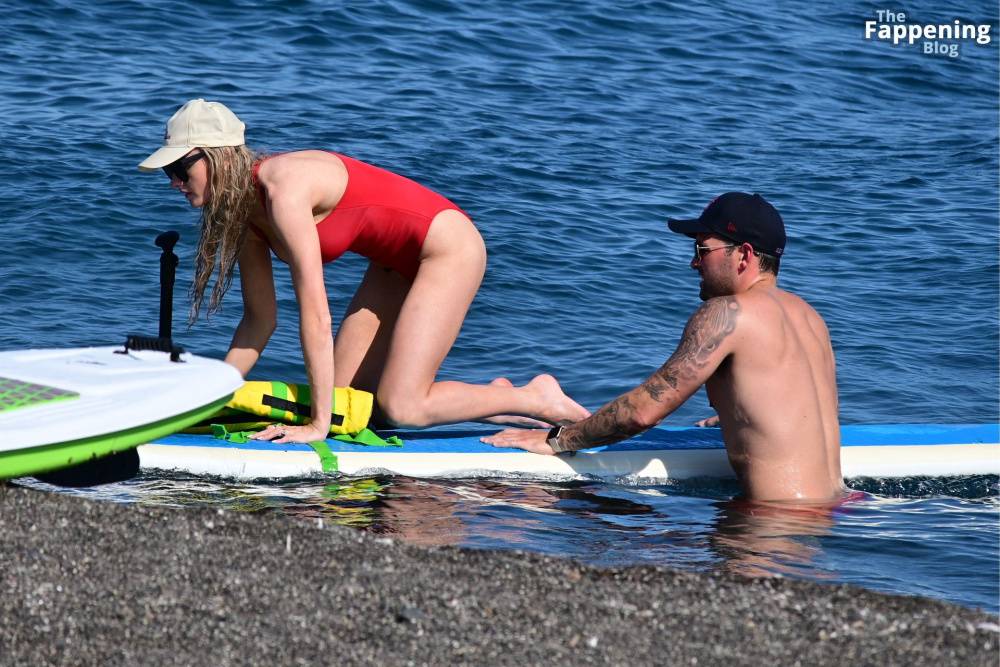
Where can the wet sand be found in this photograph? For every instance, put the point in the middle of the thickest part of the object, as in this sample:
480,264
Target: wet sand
98,583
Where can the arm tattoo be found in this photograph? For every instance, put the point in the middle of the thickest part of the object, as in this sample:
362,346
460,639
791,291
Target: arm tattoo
704,333
654,389
609,424
712,323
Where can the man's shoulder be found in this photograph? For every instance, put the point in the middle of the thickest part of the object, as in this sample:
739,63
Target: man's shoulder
718,306
719,314
774,303
795,301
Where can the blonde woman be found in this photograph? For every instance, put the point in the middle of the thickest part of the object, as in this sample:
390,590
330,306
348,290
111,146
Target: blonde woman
309,207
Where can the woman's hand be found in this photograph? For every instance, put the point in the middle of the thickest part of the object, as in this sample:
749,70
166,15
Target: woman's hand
281,433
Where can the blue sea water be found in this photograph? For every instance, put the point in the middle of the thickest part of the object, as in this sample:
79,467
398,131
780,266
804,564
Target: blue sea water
569,131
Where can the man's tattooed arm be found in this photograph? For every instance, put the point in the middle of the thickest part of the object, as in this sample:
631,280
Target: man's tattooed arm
614,422
703,346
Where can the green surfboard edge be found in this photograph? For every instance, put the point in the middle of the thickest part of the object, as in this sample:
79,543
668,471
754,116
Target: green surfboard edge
35,460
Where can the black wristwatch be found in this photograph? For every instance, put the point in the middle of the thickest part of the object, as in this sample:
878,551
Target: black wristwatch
553,438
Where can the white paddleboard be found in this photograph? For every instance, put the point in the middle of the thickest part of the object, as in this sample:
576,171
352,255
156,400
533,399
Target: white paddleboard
62,407
666,452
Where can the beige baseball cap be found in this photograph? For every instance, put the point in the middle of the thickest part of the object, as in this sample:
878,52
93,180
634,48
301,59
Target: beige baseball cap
196,124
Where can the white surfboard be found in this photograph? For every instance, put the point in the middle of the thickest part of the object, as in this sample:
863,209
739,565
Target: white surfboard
62,407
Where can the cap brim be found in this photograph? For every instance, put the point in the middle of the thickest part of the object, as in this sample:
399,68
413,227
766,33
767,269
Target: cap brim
164,156
687,227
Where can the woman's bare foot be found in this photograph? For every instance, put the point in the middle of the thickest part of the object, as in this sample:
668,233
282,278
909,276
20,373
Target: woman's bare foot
513,420
556,406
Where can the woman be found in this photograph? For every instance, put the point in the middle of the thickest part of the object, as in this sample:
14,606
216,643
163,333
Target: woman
309,207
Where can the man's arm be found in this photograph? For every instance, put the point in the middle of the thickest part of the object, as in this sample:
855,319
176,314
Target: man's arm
706,342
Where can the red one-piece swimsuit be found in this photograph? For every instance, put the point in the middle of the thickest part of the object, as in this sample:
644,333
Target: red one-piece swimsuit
381,215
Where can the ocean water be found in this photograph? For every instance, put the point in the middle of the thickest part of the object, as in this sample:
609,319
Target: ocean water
569,132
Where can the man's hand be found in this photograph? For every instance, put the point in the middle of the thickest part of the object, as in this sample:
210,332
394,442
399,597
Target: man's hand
530,440
282,433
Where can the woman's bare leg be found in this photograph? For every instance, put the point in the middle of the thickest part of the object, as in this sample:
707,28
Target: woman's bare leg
362,342
451,269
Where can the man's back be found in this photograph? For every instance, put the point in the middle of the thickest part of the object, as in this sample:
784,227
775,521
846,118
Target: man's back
776,395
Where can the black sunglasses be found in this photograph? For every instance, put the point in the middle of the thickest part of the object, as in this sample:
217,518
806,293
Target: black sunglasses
179,168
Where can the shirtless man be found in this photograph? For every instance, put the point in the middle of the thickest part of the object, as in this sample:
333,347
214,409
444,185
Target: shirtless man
763,354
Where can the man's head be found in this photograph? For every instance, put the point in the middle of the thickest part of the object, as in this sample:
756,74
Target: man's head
745,229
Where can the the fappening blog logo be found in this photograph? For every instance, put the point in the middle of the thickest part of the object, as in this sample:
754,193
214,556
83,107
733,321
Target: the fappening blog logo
944,39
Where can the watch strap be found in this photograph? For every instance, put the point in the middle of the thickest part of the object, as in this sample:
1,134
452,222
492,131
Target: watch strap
553,438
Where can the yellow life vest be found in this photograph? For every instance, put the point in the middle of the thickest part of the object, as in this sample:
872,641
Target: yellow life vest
257,404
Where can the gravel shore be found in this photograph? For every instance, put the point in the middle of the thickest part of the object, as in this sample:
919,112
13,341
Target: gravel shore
96,583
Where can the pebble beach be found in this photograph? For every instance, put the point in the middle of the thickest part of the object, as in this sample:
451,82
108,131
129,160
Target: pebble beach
101,583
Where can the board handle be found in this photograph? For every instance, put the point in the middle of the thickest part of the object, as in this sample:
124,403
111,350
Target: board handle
168,269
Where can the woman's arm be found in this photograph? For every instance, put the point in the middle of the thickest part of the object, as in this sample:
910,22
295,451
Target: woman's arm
260,308
289,207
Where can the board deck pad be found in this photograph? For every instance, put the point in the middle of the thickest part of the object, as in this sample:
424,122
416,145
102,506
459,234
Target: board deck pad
16,394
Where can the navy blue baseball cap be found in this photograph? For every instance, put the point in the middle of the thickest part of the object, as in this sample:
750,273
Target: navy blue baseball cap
741,218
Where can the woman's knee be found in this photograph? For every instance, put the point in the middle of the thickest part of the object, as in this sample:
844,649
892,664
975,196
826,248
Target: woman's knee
402,410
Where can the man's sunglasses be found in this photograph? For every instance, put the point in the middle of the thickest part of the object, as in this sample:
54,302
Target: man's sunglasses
700,250
179,168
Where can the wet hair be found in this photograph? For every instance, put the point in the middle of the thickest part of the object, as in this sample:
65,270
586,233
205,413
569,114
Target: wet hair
768,263
231,197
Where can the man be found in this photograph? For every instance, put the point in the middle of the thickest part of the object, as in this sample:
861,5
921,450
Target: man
763,354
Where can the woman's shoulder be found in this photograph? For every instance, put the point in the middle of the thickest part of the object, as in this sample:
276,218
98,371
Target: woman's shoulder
298,166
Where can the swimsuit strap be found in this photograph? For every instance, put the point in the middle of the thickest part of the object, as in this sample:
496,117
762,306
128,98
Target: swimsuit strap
254,171
254,176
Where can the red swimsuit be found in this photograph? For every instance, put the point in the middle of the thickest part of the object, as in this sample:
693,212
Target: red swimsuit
381,215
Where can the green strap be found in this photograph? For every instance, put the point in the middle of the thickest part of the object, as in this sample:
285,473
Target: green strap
280,390
219,432
363,437
370,438
327,459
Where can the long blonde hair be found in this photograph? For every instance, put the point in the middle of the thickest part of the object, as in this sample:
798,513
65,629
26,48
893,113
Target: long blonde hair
224,220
